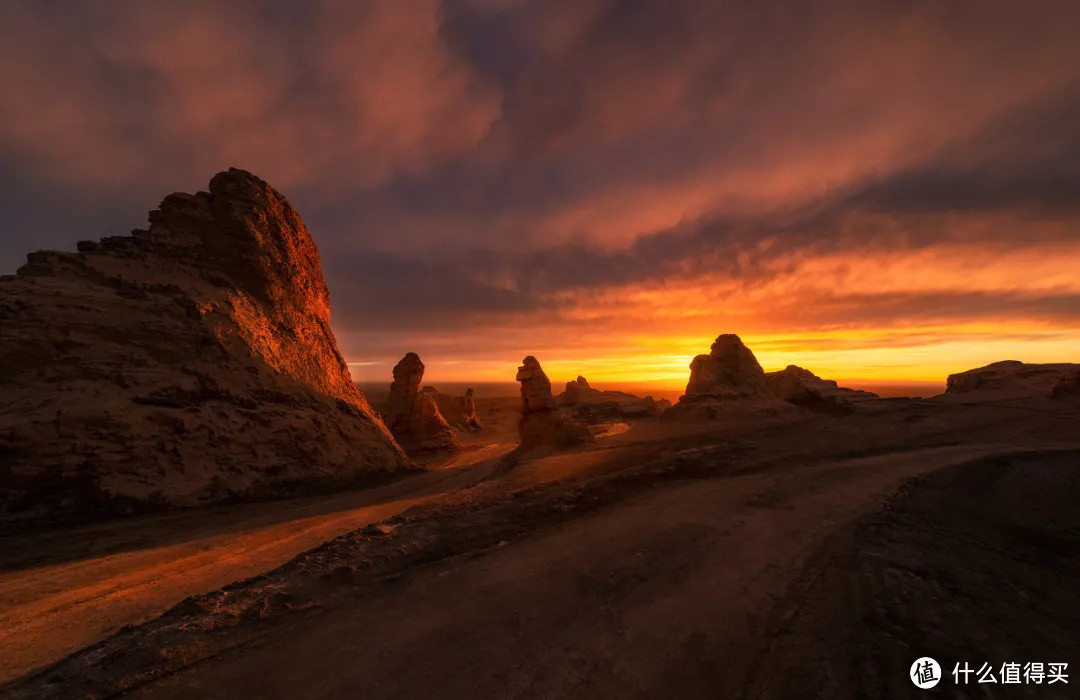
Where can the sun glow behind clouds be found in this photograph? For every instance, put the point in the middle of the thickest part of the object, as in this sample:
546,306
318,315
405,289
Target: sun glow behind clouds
901,315
870,190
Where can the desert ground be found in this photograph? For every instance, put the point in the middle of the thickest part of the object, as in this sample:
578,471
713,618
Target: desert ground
801,555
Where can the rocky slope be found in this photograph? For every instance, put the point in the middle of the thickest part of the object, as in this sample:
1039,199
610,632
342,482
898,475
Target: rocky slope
186,363
412,415
1011,379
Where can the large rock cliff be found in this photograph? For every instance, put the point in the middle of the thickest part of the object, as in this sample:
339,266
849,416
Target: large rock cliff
186,363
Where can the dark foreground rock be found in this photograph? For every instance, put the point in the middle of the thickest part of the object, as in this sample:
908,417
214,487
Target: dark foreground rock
186,363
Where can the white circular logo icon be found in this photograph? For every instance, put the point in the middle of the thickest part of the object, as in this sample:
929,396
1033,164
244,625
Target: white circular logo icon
925,673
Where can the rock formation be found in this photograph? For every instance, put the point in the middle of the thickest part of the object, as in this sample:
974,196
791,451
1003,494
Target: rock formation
729,378
1068,385
1011,379
804,388
468,412
543,425
730,370
593,405
183,364
412,415
573,392
459,411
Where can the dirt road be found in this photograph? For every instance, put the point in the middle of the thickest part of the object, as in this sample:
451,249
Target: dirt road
665,563
671,594
62,591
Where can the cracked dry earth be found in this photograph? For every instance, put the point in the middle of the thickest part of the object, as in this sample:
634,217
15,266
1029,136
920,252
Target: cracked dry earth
815,558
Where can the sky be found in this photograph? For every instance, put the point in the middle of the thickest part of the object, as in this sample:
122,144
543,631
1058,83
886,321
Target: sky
878,191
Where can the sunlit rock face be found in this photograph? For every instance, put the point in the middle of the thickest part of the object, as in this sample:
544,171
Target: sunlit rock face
1011,379
543,425
804,388
183,364
413,415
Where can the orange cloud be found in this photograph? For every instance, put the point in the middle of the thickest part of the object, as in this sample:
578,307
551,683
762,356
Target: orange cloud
873,190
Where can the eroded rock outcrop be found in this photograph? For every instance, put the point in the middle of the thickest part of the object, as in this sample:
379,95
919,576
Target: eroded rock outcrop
728,379
804,388
1067,386
413,415
543,425
594,405
730,370
186,363
1011,379
459,411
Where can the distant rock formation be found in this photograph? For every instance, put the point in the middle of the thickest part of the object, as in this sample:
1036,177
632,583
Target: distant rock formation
468,412
543,425
659,406
1011,379
183,364
729,378
413,415
730,370
804,388
459,411
572,393
593,405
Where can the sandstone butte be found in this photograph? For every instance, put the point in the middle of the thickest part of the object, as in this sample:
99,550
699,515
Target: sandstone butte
187,363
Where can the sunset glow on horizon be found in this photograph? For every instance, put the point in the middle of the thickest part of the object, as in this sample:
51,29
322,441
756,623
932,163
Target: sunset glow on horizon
875,192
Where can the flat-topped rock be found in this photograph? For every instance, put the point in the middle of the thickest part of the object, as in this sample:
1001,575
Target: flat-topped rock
1011,379
595,405
804,388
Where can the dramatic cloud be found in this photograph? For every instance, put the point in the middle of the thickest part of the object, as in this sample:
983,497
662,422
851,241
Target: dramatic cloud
875,190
